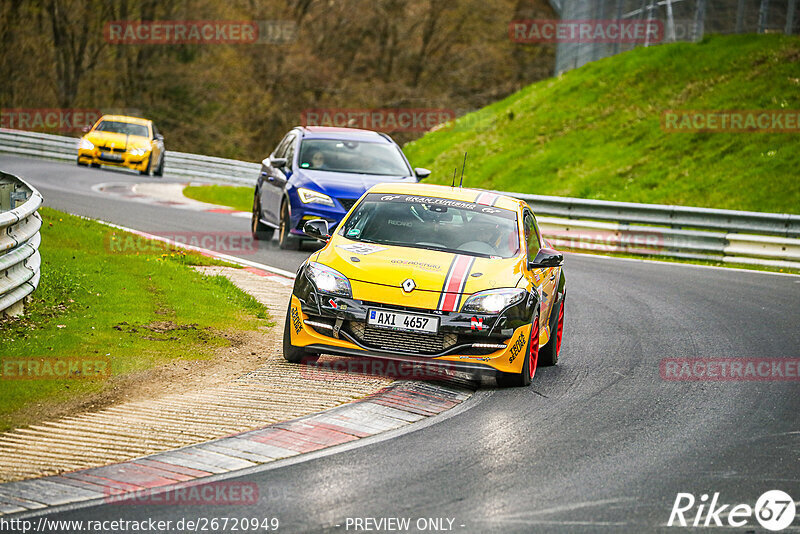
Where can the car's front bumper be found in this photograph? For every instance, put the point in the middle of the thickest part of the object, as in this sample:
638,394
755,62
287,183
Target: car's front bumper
116,159
466,343
302,212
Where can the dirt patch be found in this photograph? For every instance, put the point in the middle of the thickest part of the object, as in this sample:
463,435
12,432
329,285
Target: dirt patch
247,351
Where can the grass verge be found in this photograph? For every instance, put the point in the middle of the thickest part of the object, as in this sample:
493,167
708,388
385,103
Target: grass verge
139,309
595,132
236,197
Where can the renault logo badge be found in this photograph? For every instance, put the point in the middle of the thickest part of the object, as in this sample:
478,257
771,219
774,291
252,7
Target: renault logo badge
409,285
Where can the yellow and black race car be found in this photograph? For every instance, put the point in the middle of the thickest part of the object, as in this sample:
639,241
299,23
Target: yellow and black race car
123,141
443,276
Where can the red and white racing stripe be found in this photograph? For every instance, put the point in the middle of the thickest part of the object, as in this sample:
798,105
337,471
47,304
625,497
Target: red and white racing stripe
487,199
455,282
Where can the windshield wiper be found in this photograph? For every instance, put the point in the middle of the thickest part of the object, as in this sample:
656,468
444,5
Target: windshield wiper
425,247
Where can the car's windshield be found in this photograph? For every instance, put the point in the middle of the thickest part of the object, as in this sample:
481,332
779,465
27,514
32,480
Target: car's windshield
124,128
357,157
434,223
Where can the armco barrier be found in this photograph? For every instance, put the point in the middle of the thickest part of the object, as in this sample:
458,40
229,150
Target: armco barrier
602,226
19,242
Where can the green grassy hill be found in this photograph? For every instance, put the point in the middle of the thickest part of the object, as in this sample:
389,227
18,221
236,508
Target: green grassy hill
595,132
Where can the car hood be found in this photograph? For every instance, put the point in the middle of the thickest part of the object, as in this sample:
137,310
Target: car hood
371,266
118,140
342,184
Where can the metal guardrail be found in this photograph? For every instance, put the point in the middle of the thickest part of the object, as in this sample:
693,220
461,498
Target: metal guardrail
602,226
745,237
19,242
176,164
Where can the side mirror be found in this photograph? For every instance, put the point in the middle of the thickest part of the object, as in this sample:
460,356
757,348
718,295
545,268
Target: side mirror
278,163
86,129
159,137
317,228
421,173
546,257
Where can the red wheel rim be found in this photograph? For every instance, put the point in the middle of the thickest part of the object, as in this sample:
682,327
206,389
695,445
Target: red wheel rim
533,351
560,329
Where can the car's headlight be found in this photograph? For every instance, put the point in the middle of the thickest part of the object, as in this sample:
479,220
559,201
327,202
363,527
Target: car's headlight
308,196
85,144
329,280
493,301
140,151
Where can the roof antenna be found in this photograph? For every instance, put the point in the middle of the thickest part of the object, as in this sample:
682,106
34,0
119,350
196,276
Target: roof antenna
453,183
462,170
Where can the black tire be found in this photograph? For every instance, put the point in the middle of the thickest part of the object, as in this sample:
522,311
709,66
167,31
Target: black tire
524,377
291,353
146,172
260,231
548,355
95,165
160,169
287,240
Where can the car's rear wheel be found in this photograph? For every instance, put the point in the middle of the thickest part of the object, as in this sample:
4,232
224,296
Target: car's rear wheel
548,355
290,352
146,172
260,231
287,240
525,376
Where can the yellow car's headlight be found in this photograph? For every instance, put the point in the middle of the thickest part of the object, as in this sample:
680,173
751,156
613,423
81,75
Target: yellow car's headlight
493,301
85,144
308,196
328,280
141,151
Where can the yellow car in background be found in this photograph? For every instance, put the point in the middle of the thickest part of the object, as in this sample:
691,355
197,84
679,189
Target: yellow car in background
123,141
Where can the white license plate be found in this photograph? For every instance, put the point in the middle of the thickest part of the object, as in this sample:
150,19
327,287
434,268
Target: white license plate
110,157
409,322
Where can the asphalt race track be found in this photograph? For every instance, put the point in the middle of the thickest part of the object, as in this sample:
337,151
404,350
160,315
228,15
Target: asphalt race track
600,443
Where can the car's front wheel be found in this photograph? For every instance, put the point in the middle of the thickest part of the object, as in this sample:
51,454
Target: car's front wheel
525,376
160,169
287,240
146,172
260,231
290,352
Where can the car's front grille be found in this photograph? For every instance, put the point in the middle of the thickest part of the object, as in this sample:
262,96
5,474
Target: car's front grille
384,339
109,149
347,203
